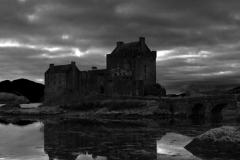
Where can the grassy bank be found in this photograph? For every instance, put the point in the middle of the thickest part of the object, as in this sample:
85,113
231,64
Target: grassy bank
101,105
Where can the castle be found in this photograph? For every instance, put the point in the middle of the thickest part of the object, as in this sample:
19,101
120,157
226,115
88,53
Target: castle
130,67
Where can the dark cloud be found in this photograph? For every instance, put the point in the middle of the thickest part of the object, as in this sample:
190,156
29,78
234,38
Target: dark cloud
198,41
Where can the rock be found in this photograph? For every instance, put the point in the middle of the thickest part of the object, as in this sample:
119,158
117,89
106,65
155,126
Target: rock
224,139
8,98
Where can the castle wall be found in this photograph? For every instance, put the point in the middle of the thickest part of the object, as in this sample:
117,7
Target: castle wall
93,81
55,83
73,79
125,87
145,67
101,82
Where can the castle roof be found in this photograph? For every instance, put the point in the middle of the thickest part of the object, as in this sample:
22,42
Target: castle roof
137,46
130,45
59,69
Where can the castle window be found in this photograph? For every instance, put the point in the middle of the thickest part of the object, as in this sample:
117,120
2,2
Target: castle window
101,90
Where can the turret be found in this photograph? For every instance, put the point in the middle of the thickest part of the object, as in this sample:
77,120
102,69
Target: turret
73,63
142,40
51,66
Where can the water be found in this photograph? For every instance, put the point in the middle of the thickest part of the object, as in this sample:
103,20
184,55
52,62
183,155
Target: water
27,106
30,105
57,139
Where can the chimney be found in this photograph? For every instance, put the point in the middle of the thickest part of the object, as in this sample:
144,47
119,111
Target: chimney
94,68
51,66
142,40
119,43
73,63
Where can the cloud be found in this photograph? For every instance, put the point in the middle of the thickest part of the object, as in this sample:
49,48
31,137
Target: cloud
197,41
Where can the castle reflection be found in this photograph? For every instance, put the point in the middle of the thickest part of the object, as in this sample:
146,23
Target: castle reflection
74,141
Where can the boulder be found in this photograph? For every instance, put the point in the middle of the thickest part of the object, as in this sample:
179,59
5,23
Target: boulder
224,139
8,98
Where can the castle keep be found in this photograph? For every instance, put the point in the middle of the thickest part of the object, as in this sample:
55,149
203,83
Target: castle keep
130,67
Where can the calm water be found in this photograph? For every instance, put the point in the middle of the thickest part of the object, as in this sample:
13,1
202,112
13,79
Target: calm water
89,139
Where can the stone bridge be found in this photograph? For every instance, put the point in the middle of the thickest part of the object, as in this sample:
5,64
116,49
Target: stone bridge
204,106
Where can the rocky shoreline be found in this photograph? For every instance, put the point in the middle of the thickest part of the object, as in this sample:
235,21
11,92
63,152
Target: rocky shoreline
104,108
225,140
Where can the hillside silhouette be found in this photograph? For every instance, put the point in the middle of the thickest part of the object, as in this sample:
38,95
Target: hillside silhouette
33,91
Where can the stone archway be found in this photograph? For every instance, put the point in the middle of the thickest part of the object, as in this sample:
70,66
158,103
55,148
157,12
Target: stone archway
198,111
216,112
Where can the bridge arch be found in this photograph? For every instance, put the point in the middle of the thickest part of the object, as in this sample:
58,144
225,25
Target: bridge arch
218,108
198,111
216,111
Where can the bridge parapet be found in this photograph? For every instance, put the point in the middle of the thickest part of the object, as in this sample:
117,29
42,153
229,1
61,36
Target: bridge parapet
211,97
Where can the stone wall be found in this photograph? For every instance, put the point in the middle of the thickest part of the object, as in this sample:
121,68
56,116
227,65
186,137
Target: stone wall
72,79
101,82
125,87
55,83
145,67
93,81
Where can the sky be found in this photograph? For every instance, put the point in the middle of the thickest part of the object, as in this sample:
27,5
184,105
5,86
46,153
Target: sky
197,41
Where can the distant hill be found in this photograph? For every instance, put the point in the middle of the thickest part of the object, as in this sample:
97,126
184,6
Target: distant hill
29,89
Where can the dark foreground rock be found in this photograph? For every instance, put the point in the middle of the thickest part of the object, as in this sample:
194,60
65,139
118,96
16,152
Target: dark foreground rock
223,141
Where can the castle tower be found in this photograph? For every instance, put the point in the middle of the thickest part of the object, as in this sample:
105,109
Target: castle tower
134,58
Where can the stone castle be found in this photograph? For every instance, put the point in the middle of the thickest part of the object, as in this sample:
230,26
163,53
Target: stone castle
130,68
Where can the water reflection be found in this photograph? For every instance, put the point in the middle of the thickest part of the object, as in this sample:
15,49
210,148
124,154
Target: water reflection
21,142
84,140
172,145
16,122
69,141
